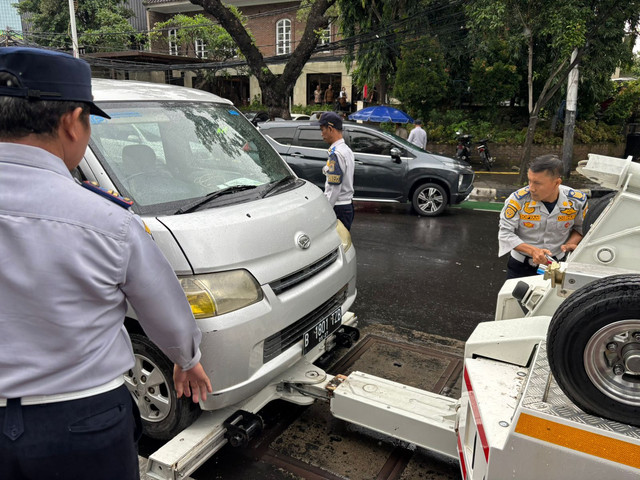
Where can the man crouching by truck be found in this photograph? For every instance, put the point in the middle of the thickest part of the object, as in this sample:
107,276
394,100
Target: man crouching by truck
70,259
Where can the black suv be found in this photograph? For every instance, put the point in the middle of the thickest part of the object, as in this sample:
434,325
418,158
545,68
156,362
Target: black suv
387,167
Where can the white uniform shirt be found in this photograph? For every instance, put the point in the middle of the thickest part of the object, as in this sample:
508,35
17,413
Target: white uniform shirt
418,136
338,187
69,261
523,220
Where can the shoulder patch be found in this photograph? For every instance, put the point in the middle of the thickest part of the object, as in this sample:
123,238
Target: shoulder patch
577,194
108,194
521,193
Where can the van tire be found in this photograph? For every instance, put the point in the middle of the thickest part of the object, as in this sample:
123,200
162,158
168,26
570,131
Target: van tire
429,200
150,383
591,337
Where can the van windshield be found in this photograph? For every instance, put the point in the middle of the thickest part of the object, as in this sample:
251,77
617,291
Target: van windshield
165,155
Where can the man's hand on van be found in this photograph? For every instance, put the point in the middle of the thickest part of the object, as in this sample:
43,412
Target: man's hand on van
192,383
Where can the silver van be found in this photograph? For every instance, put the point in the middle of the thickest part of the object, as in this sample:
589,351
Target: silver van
269,272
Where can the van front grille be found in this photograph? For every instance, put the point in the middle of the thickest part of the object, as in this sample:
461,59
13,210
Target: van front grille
288,336
285,283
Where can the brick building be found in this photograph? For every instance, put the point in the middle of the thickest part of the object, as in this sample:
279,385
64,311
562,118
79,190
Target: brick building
277,31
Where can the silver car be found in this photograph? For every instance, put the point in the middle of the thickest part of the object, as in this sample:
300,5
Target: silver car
267,269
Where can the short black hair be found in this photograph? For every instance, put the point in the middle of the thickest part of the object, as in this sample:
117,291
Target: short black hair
547,163
21,116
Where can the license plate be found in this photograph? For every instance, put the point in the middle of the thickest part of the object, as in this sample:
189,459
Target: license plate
321,330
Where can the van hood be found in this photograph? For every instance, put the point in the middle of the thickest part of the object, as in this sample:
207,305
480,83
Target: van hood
260,235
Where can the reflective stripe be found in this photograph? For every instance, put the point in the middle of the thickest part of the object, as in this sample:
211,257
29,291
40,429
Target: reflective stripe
602,446
476,416
64,397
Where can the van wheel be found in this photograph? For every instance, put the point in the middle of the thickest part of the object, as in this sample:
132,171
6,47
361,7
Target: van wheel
429,200
150,382
593,346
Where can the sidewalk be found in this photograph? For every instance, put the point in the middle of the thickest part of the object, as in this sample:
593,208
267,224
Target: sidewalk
497,186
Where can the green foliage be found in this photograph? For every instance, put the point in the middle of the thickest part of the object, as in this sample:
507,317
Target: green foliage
626,103
494,83
94,22
590,131
115,33
421,79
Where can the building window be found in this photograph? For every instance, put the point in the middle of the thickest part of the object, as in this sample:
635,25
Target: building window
201,48
325,38
173,42
283,37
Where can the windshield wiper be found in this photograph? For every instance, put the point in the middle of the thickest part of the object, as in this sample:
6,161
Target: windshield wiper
210,196
276,185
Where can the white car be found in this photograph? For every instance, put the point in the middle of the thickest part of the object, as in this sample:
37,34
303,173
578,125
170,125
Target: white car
258,251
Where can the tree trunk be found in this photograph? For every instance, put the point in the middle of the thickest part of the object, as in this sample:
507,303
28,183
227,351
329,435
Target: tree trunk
528,143
275,89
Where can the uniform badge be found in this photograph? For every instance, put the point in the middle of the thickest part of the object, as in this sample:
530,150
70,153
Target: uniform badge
112,195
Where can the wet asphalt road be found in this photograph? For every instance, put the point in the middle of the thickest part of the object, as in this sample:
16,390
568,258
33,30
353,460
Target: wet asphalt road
436,275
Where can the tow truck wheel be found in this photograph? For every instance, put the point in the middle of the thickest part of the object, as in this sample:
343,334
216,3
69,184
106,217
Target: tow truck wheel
593,346
429,200
150,382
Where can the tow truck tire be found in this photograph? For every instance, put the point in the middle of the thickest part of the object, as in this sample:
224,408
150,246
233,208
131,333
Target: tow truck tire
593,347
596,207
429,200
150,383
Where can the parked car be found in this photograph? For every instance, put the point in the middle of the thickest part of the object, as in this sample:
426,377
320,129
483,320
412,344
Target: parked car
257,250
300,117
387,167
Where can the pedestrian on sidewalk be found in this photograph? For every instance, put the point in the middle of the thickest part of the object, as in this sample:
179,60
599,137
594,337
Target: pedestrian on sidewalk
418,136
541,220
338,187
72,260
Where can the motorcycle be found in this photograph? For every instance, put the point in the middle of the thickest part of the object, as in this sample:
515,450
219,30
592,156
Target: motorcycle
485,156
463,150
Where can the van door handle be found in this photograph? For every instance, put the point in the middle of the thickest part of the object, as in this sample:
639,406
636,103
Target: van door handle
359,162
297,154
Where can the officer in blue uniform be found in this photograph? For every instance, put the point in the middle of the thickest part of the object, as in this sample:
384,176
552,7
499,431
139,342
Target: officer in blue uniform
69,262
541,220
339,170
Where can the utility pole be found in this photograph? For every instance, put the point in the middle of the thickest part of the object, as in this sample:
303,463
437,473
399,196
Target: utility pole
74,31
570,117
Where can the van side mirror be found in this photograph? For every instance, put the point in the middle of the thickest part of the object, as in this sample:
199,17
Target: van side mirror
395,155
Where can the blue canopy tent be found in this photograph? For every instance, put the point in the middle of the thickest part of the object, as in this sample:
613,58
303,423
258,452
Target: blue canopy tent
381,113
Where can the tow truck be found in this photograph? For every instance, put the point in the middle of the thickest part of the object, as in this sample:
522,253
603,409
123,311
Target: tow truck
550,389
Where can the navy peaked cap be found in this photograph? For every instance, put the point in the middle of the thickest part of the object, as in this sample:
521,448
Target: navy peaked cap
47,75
329,119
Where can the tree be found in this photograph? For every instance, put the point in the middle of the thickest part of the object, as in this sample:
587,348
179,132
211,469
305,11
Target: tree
220,45
552,30
421,79
276,89
101,24
376,24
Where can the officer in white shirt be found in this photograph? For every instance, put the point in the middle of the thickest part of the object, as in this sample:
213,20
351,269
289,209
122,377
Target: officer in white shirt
70,260
541,220
338,187
418,136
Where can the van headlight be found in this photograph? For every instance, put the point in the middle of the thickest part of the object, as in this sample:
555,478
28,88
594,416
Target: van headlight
344,235
213,294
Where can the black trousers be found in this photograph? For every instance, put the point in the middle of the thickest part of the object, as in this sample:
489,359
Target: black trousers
516,269
345,214
93,438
